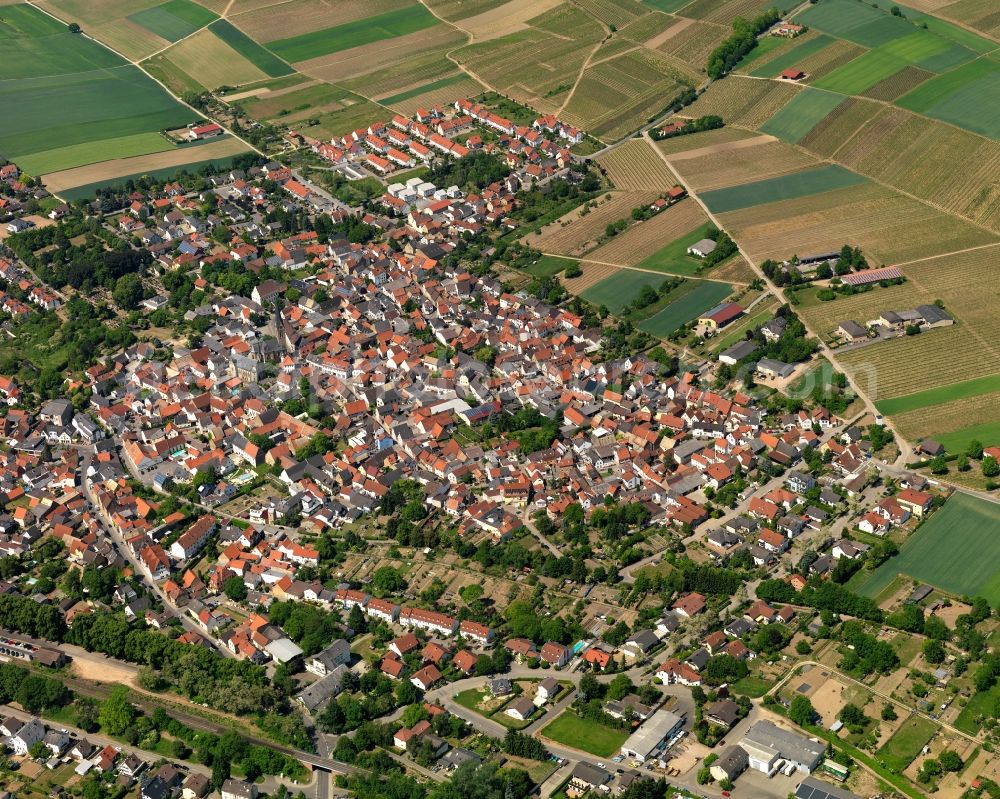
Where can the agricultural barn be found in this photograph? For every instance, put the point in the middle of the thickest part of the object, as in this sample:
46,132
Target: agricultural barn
720,316
793,74
702,248
208,131
870,276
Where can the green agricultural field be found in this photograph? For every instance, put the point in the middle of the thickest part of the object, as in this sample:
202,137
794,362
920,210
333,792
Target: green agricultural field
33,45
76,155
862,73
174,19
786,187
441,83
946,30
957,550
856,22
792,58
47,113
705,295
621,288
968,97
673,259
589,736
264,60
764,46
935,396
354,34
905,744
71,91
801,114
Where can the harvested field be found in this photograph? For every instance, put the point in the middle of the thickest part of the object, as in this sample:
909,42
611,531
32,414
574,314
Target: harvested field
375,56
592,274
295,17
128,38
213,61
839,126
744,164
634,165
700,143
919,155
509,17
174,19
743,101
888,226
94,12
462,9
575,234
264,60
178,157
669,29
640,241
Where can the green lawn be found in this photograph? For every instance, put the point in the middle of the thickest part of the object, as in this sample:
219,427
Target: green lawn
705,295
471,698
174,19
786,187
673,258
958,440
354,34
801,114
940,394
570,729
905,744
980,706
548,265
75,155
620,289
738,333
793,57
957,550
752,686
264,60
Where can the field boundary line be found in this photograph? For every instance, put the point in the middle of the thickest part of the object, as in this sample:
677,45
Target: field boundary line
722,147
946,254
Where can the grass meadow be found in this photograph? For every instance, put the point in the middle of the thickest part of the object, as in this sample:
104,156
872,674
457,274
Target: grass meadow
705,295
957,550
